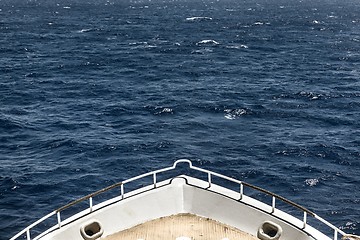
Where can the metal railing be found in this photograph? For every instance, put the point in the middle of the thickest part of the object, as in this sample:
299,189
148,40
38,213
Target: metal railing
154,174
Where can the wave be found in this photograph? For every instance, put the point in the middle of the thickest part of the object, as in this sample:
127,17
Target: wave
258,23
311,182
240,46
198,18
165,110
135,45
9,183
208,42
160,110
305,95
310,95
232,114
202,51
85,30
10,123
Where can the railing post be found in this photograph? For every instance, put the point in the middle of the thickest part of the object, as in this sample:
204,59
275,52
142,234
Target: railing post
305,217
59,219
28,234
241,191
122,191
90,204
209,179
273,204
335,234
154,179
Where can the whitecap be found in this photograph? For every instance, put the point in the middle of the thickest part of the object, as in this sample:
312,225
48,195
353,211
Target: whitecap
232,114
198,18
150,46
165,110
229,116
208,41
138,43
310,95
258,23
238,46
312,182
84,30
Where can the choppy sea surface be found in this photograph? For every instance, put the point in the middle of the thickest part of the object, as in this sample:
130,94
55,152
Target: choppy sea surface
95,92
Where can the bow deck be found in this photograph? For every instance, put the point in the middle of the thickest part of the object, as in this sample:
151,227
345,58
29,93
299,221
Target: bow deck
182,227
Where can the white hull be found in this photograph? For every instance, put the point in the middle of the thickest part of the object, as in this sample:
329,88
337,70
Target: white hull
185,194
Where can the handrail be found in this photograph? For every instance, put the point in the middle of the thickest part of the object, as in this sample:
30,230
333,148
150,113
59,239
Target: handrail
91,195
154,174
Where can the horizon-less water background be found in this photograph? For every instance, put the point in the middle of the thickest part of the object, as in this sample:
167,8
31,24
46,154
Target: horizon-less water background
92,93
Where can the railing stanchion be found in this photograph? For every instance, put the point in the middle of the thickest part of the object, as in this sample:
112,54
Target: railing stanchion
59,218
335,234
241,191
122,191
154,179
28,234
305,219
273,204
209,179
90,204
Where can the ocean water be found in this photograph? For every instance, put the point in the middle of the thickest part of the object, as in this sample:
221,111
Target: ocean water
95,92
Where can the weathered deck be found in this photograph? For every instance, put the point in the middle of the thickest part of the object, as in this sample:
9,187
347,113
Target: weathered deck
182,227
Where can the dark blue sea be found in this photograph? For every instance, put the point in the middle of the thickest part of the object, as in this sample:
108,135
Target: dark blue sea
95,92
